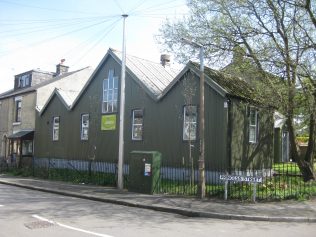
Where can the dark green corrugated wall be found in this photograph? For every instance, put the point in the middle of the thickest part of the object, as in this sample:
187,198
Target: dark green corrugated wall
163,122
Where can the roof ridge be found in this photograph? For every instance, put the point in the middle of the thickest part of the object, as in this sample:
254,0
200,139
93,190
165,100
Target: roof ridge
131,55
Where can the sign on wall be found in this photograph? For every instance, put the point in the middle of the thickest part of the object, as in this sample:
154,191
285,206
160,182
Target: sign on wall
108,122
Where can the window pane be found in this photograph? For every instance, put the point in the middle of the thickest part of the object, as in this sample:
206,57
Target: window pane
105,96
114,106
55,128
115,95
253,125
110,93
111,83
252,134
253,117
190,123
104,107
84,126
110,107
115,82
137,126
18,105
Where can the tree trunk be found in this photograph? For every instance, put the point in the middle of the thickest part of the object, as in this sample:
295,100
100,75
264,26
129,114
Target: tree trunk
307,170
305,163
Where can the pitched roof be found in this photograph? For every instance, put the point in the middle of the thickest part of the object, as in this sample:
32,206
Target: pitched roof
13,92
224,84
151,75
157,80
69,87
234,86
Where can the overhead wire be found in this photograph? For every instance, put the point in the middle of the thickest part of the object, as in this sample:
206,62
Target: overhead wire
41,28
140,9
47,9
137,5
57,36
111,27
157,7
119,6
43,21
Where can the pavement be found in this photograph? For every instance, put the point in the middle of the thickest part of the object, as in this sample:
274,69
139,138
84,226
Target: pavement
283,211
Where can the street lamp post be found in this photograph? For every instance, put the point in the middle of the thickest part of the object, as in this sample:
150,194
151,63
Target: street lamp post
201,186
120,163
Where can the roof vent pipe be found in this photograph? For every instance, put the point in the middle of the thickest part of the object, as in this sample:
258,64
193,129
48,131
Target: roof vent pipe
165,60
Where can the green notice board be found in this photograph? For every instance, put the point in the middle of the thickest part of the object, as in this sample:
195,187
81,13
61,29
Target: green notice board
108,122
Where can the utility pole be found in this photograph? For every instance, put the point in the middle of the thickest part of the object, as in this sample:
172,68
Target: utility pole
120,163
201,186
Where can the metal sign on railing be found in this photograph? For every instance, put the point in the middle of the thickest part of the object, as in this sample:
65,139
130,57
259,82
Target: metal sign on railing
238,178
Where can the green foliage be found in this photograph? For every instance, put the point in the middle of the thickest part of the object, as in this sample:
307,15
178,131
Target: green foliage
302,139
75,176
286,168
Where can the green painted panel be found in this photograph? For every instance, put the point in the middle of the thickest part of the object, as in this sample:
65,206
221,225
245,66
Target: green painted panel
108,122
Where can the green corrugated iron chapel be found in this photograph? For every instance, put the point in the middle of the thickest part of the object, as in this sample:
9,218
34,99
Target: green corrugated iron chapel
161,114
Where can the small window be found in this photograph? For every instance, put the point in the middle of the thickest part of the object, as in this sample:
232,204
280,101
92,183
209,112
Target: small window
18,108
253,125
84,126
189,122
56,121
110,93
137,125
27,147
24,81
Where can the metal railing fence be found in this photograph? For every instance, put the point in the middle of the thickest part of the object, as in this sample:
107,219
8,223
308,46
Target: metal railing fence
282,181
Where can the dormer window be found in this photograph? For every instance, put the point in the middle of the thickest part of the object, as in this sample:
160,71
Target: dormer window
24,81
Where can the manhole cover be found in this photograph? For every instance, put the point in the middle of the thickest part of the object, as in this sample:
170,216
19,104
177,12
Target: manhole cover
38,225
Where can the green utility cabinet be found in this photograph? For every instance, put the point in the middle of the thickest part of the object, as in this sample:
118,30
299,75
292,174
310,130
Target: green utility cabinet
144,171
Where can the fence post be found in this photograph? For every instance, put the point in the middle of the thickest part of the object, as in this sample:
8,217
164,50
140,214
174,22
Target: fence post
254,191
226,187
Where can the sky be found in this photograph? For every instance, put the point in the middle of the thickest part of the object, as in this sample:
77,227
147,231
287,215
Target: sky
37,34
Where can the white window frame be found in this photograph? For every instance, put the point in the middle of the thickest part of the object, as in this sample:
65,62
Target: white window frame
253,125
56,125
137,125
189,123
84,134
110,93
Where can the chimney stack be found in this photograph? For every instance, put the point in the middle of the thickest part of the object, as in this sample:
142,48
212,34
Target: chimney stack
165,60
61,68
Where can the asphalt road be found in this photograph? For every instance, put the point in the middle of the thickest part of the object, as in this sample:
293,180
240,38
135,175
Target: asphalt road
25,213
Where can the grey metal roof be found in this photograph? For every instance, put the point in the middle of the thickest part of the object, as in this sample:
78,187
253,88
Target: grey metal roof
155,77
68,90
68,87
13,92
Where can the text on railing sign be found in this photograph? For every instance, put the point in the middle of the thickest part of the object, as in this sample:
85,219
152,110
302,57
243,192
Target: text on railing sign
238,178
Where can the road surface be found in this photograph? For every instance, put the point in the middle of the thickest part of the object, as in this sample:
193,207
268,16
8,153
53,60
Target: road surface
28,213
